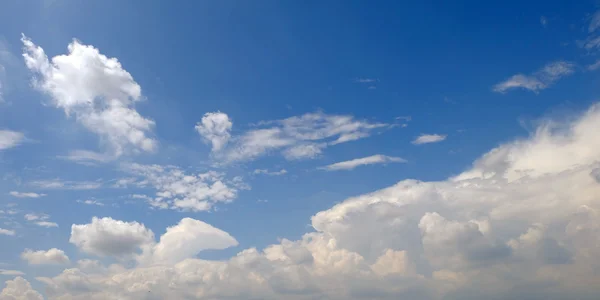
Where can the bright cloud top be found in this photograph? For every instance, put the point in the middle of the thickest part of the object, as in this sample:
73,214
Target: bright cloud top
523,222
97,91
429,138
299,137
369,160
539,80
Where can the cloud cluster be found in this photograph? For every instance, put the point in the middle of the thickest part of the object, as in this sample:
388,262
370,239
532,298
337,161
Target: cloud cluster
539,80
369,160
97,91
19,289
298,137
179,190
522,223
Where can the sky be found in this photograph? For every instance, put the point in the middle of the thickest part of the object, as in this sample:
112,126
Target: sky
299,149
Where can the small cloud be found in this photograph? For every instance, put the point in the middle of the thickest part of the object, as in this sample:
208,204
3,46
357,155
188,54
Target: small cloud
429,138
87,158
270,173
26,195
66,185
7,232
10,139
404,118
53,256
449,101
544,21
370,160
594,22
11,272
35,217
90,202
594,66
46,224
539,80
366,80
262,201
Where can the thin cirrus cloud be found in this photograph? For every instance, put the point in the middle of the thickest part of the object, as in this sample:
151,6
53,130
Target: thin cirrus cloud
369,160
299,137
539,80
429,138
97,91
26,194
59,184
269,173
4,231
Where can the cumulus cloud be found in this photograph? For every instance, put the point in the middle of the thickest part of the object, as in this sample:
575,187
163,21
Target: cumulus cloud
180,190
215,129
298,137
19,289
10,139
539,80
522,223
429,138
369,160
97,91
109,237
51,257
26,195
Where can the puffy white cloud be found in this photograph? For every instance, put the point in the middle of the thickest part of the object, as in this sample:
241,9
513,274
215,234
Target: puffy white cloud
19,289
270,173
539,80
369,160
109,237
522,223
429,138
215,128
9,139
7,232
26,195
179,190
97,91
51,257
187,239
298,137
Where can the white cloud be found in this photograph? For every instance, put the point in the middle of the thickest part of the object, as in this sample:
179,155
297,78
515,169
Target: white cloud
36,217
594,22
429,138
187,239
109,237
522,223
298,137
215,128
97,91
539,80
26,195
46,224
594,66
179,190
369,160
544,21
19,289
7,232
366,80
10,139
86,157
11,272
66,185
51,257
90,202
270,173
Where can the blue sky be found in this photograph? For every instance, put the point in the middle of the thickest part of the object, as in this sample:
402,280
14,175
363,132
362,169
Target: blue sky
259,117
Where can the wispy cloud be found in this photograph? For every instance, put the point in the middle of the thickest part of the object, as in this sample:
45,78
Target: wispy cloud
365,80
66,185
594,66
90,202
26,195
369,160
538,80
7,232
429,138
11,272
89,158
544,21
270,173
